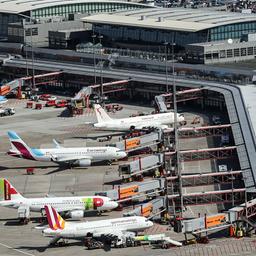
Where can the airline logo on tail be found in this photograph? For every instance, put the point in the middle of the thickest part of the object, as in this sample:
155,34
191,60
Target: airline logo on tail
55,221
101,114
7,191
20,148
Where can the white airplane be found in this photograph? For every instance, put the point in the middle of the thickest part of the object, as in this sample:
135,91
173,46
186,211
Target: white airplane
73,207
3,100
113,230
82,157
162,120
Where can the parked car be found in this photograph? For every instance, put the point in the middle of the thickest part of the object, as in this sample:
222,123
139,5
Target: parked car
7,112
61,104
44,97
52,98
50,103
114,107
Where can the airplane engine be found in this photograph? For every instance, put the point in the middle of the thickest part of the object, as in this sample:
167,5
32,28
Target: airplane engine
83,162
77,214
129,234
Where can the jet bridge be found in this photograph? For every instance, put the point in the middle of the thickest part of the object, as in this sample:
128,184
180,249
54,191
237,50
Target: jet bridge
153,207
205,154
137,190
136,143
140,165
204,131
209,197
219,221
165,101
204,179
245,210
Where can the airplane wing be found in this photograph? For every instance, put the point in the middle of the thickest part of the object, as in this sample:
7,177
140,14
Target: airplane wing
50,195
151,124
57,144
69,159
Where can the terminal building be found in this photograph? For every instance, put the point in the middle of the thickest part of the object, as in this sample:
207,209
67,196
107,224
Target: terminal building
150,28
46,11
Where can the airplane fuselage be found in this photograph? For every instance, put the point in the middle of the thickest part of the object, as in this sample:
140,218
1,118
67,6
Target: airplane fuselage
62,204
56,154
77,230
125,124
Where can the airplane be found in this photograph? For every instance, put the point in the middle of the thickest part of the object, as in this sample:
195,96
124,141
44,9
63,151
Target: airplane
73,207
109,230
3,100
77,156
162,120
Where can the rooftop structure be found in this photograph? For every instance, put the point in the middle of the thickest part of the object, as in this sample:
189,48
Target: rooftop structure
16,10
179,24
19,6
188,20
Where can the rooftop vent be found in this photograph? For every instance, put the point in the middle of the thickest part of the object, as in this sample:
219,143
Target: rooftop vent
160,19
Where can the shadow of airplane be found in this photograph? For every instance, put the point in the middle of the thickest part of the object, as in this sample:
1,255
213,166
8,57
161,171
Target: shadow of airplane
60,168
45,247
2,168
16,222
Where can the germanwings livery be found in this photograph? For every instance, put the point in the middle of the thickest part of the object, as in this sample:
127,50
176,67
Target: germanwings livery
82,157
112,229
162,120
73,207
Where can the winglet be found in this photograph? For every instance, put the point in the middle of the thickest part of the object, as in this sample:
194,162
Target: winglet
55,221
57,144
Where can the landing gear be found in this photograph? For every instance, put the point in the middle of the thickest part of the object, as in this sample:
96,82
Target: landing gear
24,221
91,243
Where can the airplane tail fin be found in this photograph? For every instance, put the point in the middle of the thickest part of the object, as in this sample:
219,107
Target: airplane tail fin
7,191
101,114
55,221
19,147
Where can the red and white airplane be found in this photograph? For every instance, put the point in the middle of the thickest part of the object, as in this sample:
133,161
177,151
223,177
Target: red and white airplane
162,120
73,207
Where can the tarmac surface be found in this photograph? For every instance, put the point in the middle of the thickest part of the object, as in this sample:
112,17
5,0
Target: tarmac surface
38,128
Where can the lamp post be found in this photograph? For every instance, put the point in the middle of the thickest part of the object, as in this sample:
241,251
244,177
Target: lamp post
94,61
25,43
101,66
31,44
166,67
176,132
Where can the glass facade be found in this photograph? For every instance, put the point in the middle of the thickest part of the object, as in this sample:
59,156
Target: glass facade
94,7
231,31
152,36
5,19
182,38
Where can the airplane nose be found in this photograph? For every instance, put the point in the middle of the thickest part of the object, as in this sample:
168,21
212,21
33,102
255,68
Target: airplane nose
122,154
150,223
181,118
112,204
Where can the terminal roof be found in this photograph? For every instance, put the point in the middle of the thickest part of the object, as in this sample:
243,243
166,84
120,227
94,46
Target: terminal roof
19,6
187,20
